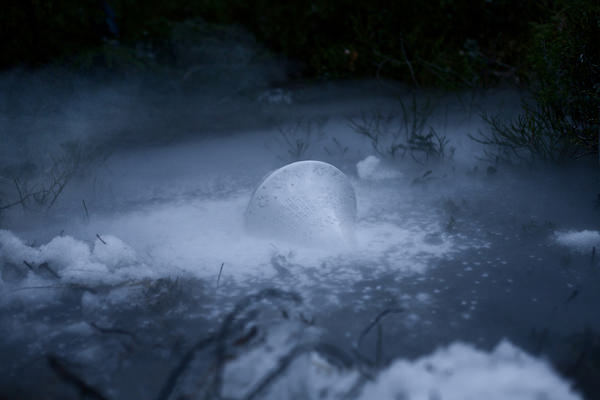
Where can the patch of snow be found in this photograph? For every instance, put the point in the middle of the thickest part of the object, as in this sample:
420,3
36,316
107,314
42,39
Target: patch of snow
581,241
371,168
113,252
69,260
461,372
67,253
13,250
457,372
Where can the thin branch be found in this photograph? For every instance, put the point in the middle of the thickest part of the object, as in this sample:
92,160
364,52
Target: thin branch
100,238
116,331
72,379
219,277
368,328
169,385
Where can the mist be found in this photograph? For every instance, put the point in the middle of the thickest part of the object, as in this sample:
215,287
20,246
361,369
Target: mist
128,271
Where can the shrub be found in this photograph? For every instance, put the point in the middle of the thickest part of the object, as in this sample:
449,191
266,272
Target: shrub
561,120
396,135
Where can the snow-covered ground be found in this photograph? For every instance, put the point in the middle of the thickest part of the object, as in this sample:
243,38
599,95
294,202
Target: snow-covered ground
489,275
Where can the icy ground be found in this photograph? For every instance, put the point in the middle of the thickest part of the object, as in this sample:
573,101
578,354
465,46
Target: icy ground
465,282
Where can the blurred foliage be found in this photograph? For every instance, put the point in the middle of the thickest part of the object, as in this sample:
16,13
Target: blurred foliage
561,120
433,42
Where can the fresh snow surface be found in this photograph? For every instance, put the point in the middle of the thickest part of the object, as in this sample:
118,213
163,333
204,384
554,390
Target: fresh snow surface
462,372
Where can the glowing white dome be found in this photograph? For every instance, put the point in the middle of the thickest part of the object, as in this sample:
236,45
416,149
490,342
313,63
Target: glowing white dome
306,202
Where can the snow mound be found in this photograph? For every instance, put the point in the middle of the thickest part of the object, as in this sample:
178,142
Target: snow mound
13,250
457,372
71,261
307,202
113,252
461,372
371,168
582,241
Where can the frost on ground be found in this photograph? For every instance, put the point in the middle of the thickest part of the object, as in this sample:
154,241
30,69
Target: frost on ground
194,237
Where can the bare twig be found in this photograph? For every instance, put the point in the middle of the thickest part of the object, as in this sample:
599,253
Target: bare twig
116,331
85,209
29,266
219,277
20,192
69,377
410,67
50,270
173,377
368,328
100,238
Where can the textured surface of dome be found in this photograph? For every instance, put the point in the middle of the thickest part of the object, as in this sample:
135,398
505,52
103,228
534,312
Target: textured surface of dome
306,202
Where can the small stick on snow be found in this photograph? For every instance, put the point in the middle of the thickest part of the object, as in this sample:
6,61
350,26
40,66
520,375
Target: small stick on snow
220,271
72,379
47,268
99,238
29,265
87,214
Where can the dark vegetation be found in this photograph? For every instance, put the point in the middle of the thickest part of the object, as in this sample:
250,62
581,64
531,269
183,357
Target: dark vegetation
394,136
432,42
561,120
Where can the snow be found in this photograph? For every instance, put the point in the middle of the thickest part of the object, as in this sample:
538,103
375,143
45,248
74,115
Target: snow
580,241
458,371
65,253
461,372
371,168
13,250
113,252
71,261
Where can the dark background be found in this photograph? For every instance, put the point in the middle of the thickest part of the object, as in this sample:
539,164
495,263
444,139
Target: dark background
445,42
